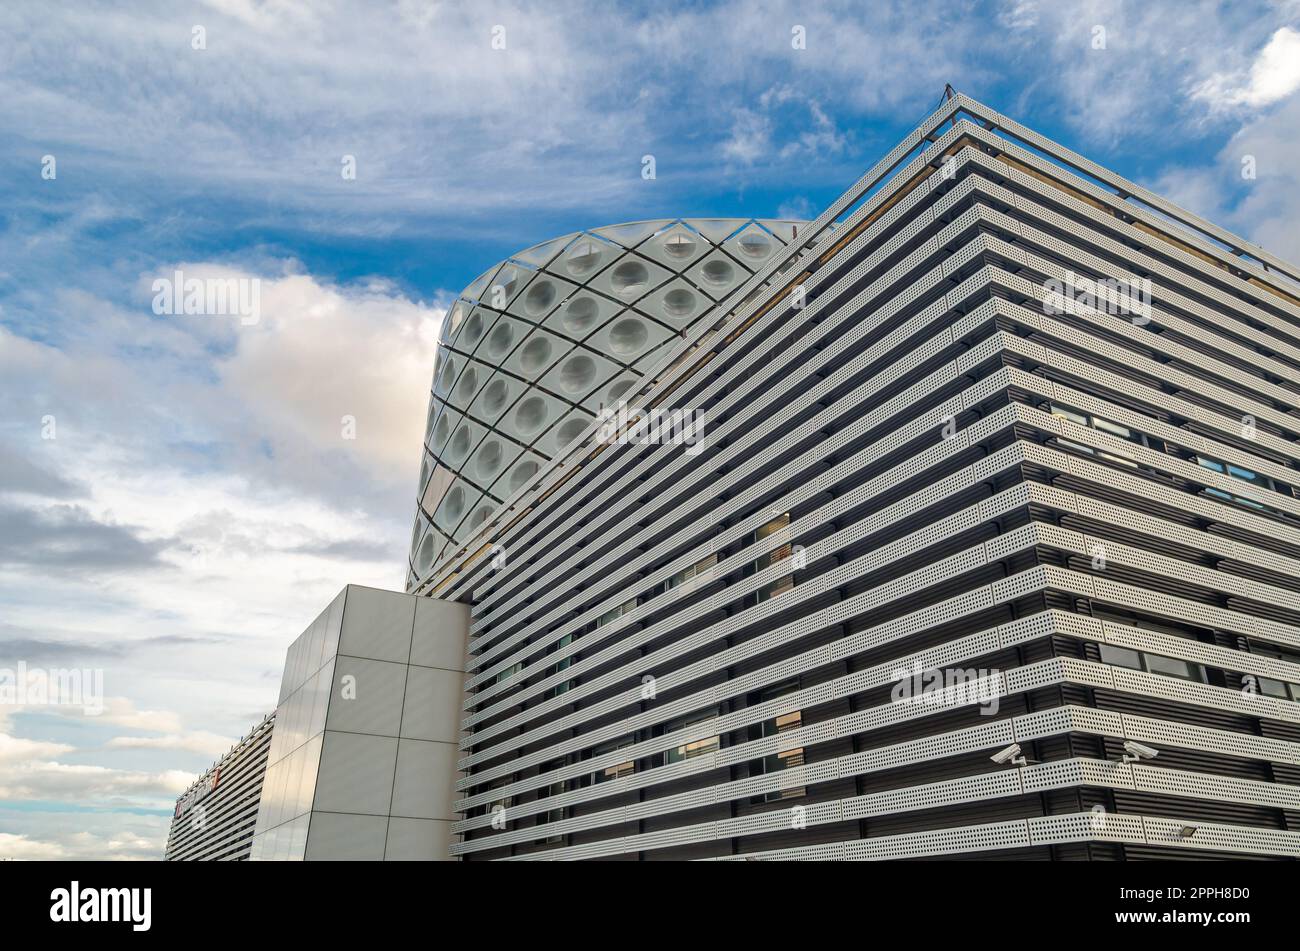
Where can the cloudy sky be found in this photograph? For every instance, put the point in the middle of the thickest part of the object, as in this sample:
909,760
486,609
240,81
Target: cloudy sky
177,500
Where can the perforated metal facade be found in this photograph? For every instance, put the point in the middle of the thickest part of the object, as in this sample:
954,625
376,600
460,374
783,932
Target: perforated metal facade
1016,422
533,350
214,819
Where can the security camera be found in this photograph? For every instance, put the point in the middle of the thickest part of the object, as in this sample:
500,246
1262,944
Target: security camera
1138,751
1011,755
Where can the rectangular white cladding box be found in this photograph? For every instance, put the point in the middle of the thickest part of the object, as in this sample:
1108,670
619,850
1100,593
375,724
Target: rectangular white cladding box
363,759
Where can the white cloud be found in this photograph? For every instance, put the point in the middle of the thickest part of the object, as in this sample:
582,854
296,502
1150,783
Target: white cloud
1274,75
321,353
31,774
750,139
111,837
105,712
222,449
1200,190
1124,74
121,712
805,130
196,741
1018,14
14,750
1262,208
282,91
1265,208
22,848
798,208
82,783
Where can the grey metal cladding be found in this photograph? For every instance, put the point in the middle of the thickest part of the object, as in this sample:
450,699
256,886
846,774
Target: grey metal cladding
916,463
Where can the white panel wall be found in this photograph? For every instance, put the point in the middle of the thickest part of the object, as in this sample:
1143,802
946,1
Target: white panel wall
375,666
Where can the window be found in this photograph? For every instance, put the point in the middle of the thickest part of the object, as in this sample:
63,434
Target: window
618,770
781,585
506,801
1101,425
693,571
613,614
786,759
1115,429
1152,663
1247,476
1121,657
1277,688
1229,497
1172,667
546,792
562,664
696,570
1237,472
1069,414
694,748
509,672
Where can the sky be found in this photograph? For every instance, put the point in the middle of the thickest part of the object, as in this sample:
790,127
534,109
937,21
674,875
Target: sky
178,495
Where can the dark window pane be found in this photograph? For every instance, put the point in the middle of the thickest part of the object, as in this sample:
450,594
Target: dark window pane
1171,667
1121,657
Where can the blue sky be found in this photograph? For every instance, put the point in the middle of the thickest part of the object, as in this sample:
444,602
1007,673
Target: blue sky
198,506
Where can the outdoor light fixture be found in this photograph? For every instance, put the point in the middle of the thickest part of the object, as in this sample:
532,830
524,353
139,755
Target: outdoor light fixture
1186,832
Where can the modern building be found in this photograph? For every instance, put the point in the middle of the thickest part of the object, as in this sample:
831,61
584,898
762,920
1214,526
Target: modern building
214,818
984,540
991,546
